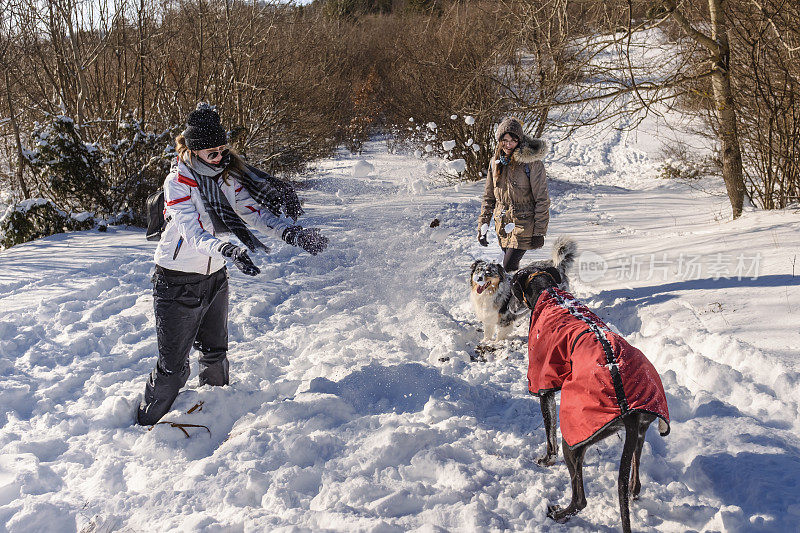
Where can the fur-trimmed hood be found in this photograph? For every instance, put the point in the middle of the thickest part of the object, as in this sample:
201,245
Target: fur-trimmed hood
530,149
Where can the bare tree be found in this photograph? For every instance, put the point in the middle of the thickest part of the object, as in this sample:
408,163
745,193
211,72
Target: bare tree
293,83
7,20
766,50
447,67
569,43
717,44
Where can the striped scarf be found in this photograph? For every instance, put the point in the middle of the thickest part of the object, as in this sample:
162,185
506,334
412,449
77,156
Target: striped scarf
268,191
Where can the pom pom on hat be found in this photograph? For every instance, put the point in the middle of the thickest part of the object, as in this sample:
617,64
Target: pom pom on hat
204,129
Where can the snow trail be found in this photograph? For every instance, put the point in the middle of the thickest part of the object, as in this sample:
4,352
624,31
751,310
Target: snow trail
353,405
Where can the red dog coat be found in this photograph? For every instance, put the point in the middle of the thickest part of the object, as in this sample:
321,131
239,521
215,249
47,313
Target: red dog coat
600,375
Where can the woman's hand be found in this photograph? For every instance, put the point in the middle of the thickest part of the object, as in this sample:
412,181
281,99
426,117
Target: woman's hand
239,258
309,239
483,231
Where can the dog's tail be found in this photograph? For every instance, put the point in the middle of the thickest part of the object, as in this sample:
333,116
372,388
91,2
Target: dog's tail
564,251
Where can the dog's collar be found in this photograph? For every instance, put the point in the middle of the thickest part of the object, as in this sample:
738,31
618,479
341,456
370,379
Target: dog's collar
530,278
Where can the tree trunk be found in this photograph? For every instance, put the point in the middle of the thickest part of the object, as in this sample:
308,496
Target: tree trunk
142,39
719,48
70,10
725,109
20,157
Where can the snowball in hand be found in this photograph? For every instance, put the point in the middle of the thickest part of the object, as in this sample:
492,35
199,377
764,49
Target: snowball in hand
509,227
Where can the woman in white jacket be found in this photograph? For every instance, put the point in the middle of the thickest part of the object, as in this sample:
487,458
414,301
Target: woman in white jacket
208,193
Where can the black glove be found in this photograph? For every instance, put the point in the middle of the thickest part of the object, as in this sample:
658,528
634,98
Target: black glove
240,258
309,239
291,205
538,241
482,240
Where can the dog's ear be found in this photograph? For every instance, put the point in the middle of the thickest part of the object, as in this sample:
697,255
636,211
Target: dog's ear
555,273
527,286
517,288
502,272
470,281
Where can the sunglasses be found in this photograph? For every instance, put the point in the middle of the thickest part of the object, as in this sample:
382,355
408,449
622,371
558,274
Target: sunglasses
217,153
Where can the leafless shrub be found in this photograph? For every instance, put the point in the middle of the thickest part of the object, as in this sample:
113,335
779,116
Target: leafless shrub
765,77
275,77
767,83
451,69
293,83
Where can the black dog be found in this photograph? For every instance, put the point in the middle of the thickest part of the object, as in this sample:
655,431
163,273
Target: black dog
606,385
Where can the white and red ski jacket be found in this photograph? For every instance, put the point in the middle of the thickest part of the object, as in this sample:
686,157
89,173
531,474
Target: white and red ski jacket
188,243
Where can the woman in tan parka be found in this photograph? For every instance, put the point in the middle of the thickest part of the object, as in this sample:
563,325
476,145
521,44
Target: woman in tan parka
515,195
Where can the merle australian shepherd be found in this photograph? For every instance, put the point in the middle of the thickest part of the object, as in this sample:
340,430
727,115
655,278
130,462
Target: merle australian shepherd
490,289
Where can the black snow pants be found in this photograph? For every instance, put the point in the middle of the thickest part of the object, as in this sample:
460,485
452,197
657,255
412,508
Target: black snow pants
191,311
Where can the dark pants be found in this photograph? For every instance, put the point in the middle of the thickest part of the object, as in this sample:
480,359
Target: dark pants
191,311
512,258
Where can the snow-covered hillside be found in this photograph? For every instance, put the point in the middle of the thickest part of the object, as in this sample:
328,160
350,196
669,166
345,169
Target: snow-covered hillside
354,405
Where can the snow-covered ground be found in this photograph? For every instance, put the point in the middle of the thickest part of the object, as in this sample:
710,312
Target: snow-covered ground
354,405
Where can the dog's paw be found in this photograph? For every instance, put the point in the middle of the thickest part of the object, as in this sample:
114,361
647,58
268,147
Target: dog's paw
560,515
546,460
635,488
555,512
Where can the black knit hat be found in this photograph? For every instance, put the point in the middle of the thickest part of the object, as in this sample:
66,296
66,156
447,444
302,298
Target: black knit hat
203,128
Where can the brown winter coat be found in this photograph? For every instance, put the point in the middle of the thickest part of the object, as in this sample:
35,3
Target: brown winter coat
509,196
